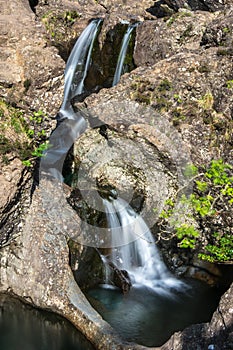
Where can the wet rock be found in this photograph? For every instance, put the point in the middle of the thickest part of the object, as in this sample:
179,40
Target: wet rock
86,265
202,274
120,278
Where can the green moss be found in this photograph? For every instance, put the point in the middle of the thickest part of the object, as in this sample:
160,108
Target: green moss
141,91
163,103
226,30
27,83
59,25
171,20
140,97
177,116
230,84
70,16
175,16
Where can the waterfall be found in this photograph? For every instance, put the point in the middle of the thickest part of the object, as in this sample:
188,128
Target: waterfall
132,246
77,67
75,124
122,54
140,258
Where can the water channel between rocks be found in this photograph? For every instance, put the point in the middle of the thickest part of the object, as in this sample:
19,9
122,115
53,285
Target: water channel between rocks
150,312
157,304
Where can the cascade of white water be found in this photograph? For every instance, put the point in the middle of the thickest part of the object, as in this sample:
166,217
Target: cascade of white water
77,67
140,258
75,124
122,54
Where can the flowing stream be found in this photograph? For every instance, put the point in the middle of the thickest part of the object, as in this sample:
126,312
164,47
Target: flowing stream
158,303
75,124
122,54
77,67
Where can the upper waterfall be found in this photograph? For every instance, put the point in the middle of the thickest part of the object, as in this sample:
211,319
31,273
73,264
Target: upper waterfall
77,67
75,73
122,54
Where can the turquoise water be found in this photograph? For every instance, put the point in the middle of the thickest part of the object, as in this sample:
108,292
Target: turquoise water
141,316
25,328
148,318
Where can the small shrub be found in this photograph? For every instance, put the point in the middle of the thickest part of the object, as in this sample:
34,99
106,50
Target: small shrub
213,195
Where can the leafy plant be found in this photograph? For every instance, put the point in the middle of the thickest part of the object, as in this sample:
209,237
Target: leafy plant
187,235
222,250
212,198
38,152
190,171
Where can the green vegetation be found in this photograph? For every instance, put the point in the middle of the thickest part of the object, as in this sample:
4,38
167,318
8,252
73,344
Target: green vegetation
160,96
170,21
226,30
175,16
230,84
57,23
186,33
206,102
203,219
21,135
221,251
228,51
164,85
187,235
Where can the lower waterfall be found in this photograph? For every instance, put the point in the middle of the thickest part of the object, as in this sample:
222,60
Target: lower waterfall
140,258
